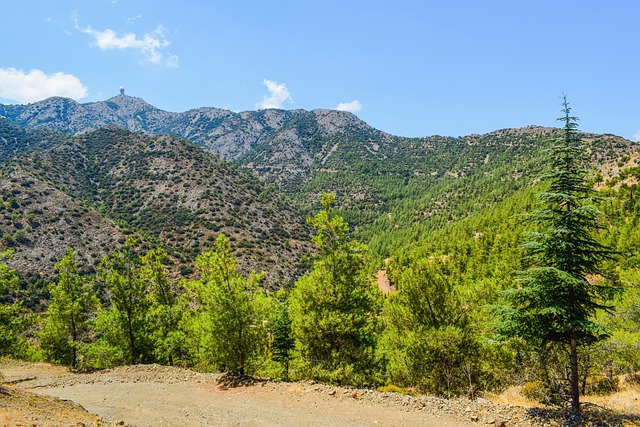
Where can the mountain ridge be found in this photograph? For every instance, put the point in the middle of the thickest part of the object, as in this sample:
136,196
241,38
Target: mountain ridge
293,140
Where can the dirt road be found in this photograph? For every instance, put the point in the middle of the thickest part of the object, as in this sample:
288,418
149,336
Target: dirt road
152,395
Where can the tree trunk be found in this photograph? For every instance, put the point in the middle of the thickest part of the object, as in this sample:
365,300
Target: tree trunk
575,392
74,338
132,340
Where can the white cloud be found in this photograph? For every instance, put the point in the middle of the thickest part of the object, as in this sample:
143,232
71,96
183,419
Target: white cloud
36,85
352,107
278,94
637,136
151,45
133,19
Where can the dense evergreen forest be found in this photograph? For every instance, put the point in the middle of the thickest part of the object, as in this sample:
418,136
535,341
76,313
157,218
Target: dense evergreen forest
454,240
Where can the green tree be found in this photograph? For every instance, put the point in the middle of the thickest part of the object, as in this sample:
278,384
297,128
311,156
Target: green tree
334,309
67,320
557,298
165,309
428,337
124,323
231,312
12,320
283,343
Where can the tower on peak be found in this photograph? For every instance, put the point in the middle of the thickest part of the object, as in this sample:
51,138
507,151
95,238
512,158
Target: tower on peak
121,90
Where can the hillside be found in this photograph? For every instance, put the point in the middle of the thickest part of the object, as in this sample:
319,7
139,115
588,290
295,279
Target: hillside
164,187
40,221
15,140
399,194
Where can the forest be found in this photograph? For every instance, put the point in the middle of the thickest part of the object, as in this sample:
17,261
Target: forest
535,285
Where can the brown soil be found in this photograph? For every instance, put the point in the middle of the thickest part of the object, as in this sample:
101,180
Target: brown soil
383,283
153,395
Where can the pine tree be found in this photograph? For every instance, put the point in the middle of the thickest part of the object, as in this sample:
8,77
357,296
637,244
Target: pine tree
232,310
334,309
165,308
429,339
557,298
68,317
12,320
124,323
282,344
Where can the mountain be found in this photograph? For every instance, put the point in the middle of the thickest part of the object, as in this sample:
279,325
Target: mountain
68,116
282,146
386,185
164,187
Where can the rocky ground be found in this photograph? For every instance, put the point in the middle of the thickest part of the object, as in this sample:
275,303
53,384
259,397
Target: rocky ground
153,395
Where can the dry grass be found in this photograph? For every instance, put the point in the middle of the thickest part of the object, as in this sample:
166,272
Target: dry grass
21,408
513,396
627,400
617,409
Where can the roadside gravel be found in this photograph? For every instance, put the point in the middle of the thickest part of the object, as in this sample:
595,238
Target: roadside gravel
154,395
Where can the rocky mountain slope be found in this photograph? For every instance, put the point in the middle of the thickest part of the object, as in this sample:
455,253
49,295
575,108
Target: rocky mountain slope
16,140
164,187
40,221
297,148
282,146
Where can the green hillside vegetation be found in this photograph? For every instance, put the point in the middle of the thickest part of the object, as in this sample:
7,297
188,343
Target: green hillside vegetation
16,140
405,191
165,188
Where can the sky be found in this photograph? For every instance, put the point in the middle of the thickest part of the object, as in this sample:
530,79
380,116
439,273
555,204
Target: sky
407,67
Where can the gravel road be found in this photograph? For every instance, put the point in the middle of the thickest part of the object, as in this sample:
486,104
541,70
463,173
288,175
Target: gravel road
153,395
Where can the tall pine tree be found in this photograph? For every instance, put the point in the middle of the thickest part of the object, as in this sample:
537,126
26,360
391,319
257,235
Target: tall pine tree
556,299
231,310
69,314
12,320
335,308
123,325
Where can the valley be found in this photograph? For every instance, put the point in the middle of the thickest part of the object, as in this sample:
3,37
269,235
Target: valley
249,242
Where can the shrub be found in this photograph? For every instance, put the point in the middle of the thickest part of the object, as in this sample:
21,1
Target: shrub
602,386
390,388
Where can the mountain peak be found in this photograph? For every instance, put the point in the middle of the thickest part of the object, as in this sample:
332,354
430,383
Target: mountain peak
126,101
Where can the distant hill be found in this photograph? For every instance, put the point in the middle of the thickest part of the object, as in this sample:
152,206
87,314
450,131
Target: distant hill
282,146
74,193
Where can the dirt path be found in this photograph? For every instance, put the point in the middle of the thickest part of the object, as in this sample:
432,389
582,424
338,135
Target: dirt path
183,404
152,395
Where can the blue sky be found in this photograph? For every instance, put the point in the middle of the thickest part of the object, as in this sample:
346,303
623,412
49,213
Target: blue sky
410,68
